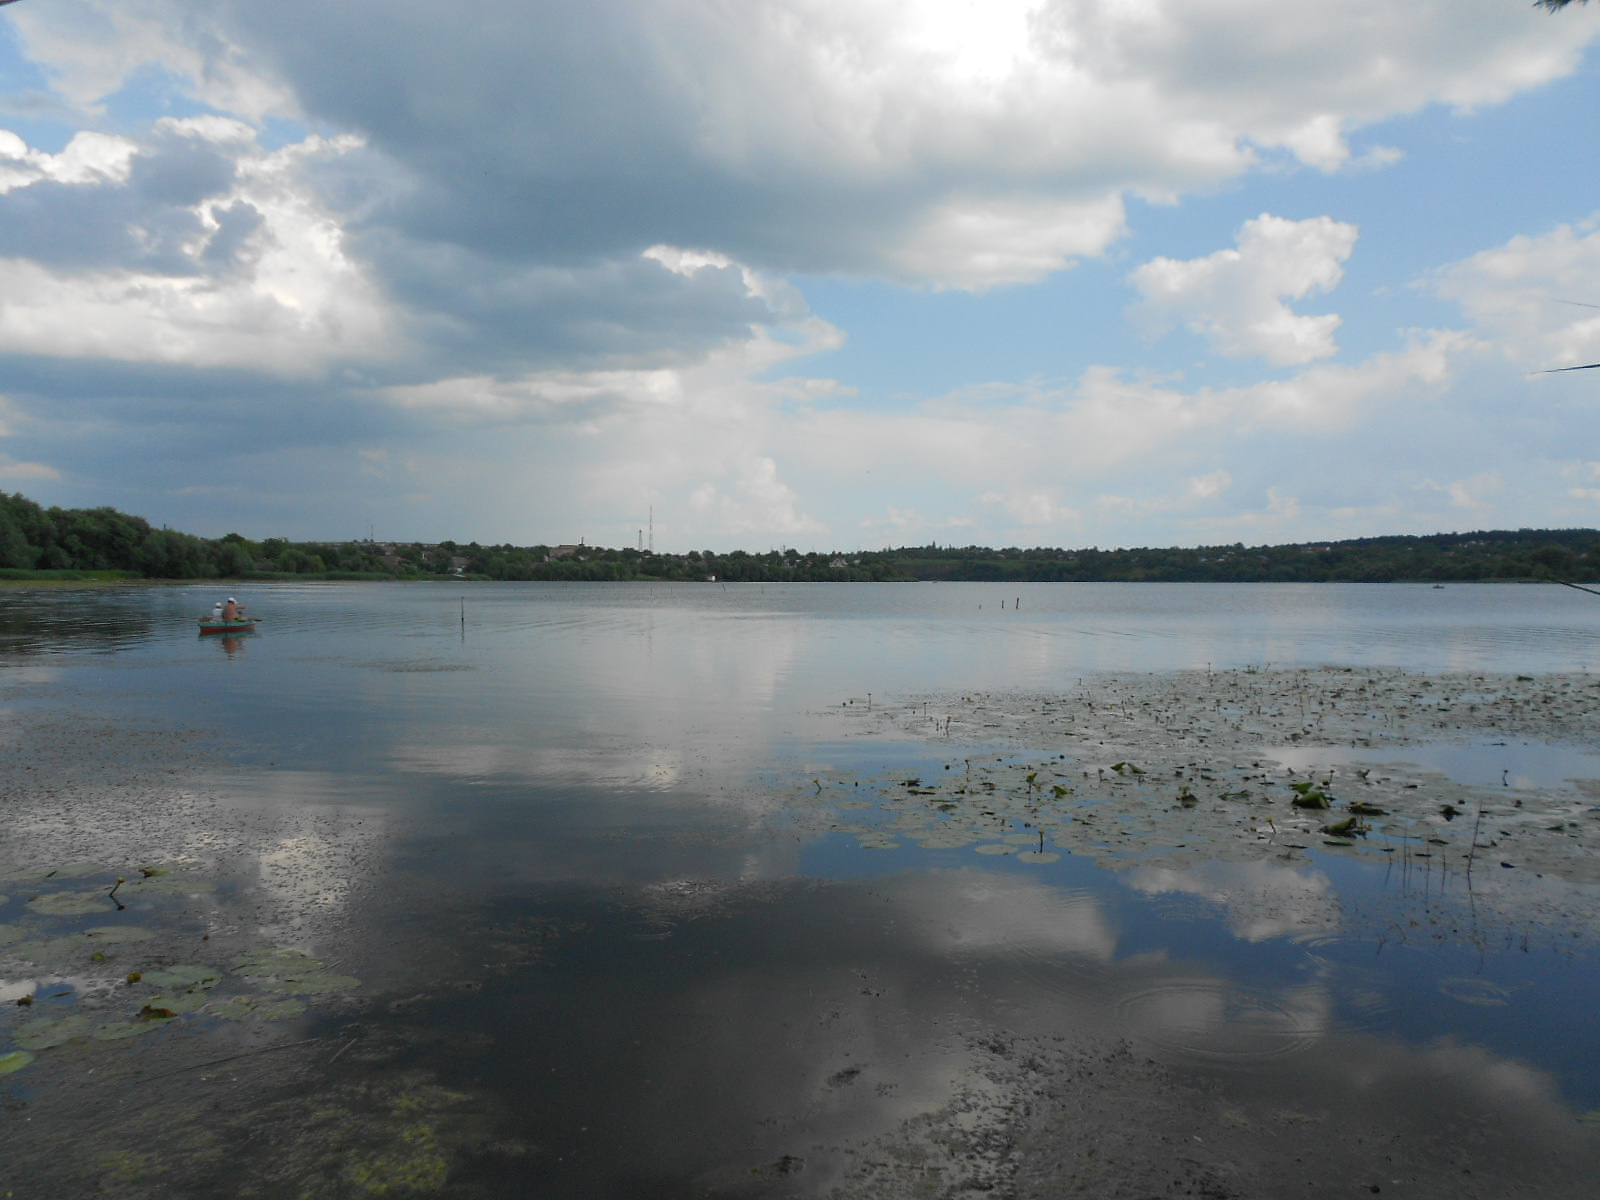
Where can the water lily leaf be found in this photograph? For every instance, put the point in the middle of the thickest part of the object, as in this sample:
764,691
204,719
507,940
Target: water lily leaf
1038,856
281,962
237,1008
48,951
314,983
11,933
110,934
115,1031
173,884
188,976
46,1034
178,1003
993,848
946,841
14,1061
70,904
156,1012
75,870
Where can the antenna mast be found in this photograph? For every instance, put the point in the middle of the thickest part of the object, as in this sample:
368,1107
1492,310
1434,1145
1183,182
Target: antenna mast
652,529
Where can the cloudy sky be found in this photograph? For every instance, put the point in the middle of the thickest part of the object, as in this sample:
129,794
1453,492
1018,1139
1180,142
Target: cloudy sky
817,273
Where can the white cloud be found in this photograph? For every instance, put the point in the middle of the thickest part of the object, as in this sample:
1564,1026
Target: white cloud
1209,486
1235,298
1033,507
757,501
11,469
933,141
287,301
1527,296
1469,493
982,243
88,158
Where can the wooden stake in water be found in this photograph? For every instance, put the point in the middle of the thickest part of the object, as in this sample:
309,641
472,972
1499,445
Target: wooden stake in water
463,618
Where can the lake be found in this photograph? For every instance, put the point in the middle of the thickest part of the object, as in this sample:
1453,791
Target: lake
622,890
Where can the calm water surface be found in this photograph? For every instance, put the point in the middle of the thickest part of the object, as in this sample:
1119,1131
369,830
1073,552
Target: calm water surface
570,784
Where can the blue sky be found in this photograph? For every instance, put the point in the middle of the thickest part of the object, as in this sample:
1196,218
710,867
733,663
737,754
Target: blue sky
807,272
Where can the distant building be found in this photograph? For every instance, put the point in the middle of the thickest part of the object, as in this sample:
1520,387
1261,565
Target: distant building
566,551
458,565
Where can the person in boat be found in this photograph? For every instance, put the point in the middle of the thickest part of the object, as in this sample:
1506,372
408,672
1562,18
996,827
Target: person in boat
216,611
231,610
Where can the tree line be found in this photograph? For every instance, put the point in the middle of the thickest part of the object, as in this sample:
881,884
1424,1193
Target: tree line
35,540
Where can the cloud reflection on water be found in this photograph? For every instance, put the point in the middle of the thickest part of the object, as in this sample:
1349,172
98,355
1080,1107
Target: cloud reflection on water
1262,900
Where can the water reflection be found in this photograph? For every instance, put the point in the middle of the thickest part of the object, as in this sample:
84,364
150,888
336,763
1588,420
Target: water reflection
552,853
1261,900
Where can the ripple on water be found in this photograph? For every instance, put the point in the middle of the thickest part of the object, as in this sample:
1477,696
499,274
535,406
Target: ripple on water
1212,1020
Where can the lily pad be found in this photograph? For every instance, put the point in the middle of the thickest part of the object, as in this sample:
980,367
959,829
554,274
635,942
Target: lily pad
237,1008
946,841
178,1003
70,904
110,934
187,976
993,848
46,1034
76,870
314,983
11,933
1038,856
176,883
48,950
282,962
14,1061
116,1031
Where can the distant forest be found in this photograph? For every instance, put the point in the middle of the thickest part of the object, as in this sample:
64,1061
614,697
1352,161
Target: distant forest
37,542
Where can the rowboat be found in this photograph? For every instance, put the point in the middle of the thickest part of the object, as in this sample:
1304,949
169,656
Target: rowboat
218,625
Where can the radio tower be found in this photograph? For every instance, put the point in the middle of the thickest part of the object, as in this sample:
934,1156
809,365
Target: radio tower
652,529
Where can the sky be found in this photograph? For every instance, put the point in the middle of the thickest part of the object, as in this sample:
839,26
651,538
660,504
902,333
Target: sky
823,274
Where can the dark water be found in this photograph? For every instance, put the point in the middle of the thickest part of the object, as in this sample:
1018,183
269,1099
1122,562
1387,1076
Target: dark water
569,887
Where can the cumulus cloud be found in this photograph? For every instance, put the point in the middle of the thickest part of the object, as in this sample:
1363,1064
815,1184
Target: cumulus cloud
197,248
579,301
1235,298
1529,296
917,139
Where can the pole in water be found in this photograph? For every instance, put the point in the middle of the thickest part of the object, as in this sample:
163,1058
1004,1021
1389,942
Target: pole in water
463,618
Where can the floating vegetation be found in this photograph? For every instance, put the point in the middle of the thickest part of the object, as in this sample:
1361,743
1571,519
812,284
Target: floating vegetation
14,1061
1181,768
184,977
116,1031
118,934
160,990
264,1008
70,904
48,1033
